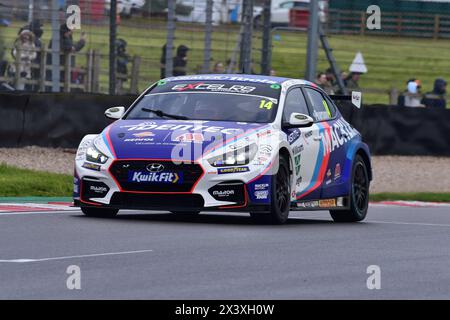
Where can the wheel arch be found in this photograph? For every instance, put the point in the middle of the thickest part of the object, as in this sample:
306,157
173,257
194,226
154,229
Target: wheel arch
366,158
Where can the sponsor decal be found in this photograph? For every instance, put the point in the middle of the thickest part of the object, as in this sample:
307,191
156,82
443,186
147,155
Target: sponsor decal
297,161
275,86
328,181
340,201
212,172
91,166
139,140
337,171
223,193
263,194
308,134
293,136
190,137
266,149
155,177
327,203
232,170
299,181
145,126
263,133
98,189
308,204
223,77
341,132
214,87
261,186
144,134
297,149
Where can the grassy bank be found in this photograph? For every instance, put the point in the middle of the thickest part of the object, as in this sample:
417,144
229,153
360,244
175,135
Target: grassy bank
390,60
15,182
421,196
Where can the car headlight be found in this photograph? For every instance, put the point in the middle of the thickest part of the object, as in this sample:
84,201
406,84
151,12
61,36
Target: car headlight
236,157
94,155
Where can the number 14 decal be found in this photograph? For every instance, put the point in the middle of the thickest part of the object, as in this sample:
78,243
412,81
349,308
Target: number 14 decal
265,104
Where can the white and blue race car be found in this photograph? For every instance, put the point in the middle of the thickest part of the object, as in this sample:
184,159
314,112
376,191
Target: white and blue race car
258,144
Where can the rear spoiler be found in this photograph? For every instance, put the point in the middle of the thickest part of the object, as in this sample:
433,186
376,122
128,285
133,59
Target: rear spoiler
355,98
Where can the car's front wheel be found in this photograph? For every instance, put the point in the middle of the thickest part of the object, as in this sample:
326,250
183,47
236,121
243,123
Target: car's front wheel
280,196
99,212
359,195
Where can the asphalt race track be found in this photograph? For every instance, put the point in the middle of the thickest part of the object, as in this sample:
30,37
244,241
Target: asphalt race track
216,256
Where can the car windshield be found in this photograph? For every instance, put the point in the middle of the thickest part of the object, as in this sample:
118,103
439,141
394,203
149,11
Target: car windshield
209,100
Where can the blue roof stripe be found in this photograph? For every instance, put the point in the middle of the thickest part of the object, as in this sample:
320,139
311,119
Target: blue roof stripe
231,77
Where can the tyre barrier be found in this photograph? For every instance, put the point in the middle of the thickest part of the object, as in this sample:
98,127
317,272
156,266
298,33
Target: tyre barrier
61,120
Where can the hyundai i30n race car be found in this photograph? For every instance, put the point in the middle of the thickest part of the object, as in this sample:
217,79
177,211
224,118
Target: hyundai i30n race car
258,144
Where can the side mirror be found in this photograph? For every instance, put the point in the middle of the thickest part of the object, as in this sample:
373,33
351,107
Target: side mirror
115,112
297,120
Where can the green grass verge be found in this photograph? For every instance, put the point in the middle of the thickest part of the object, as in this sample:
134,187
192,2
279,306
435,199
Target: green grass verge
419,196
15,182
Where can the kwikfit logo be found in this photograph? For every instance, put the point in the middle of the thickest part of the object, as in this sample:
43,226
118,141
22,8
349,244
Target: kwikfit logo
154,177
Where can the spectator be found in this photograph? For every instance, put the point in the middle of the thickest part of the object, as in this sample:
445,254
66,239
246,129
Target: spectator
218,67
323,82
24,47
351,82
273,73
67,46
412,96
436,98
122,60
180,61
35,26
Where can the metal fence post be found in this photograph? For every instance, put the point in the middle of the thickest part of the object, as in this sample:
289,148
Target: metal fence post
55,47
313,33
266,40
112,46
246,39
208,36
170,37
135,74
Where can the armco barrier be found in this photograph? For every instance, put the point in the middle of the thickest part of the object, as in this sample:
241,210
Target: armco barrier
393,130
54,120
61,120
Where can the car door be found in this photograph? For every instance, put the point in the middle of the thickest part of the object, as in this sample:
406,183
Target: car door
304,146
327,166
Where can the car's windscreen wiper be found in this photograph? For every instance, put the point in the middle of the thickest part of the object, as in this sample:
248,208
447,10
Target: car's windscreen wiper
161,114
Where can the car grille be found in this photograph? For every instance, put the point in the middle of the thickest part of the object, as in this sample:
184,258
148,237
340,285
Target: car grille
156,201
189,174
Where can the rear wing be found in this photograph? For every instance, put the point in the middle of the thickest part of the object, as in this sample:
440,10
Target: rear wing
355,97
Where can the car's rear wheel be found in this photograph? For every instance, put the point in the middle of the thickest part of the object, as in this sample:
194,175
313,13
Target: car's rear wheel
99,212
280,196
359,194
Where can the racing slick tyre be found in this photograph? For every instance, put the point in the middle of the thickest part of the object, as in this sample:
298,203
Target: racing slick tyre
194,213
99,212
359,195
280,195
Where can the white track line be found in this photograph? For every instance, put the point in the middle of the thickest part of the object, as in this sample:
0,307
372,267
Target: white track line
24,260
411,223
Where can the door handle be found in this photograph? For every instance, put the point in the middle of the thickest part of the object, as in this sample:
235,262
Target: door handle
317,138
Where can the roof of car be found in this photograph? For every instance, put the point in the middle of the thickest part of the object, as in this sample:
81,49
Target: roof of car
235,77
